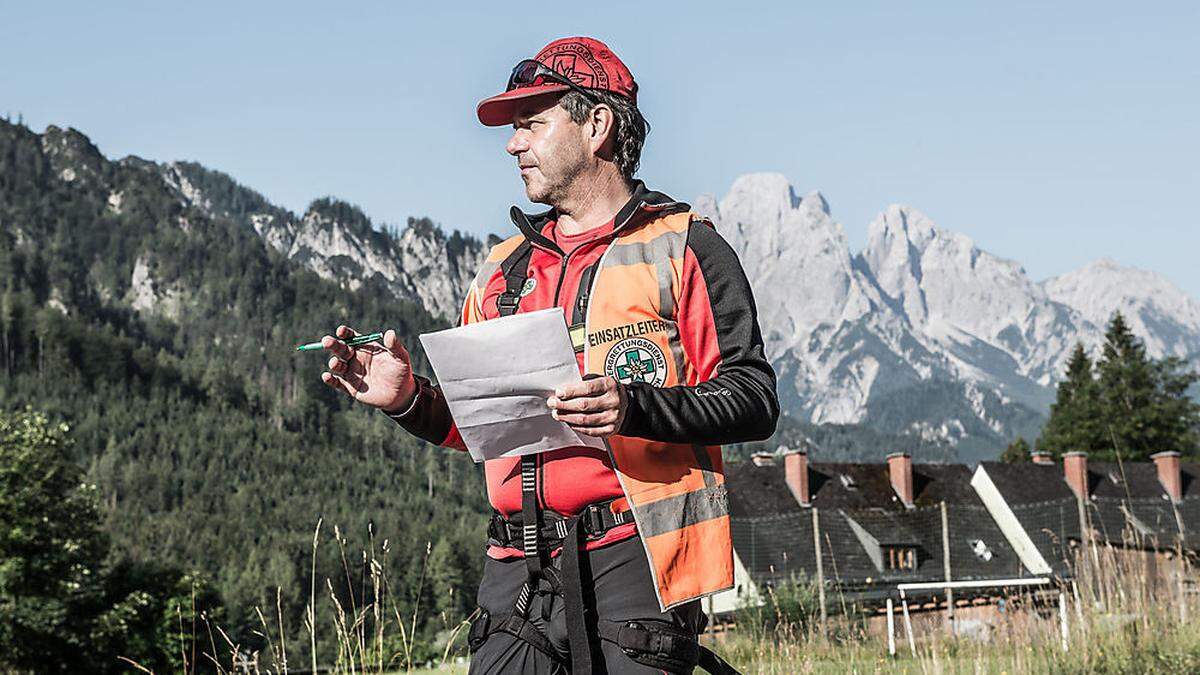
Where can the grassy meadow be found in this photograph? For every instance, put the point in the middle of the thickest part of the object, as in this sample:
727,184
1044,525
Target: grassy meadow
1126,612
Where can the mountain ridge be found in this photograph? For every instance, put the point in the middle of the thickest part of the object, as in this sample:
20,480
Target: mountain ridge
339,241
922,332
922,308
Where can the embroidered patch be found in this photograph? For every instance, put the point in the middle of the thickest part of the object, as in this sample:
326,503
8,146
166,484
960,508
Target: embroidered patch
636,360
530,284
576,62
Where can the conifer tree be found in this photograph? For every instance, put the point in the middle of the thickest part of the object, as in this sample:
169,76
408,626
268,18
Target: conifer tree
446,583
1126,405
1127,391
64,607
1074,414
1144,406
51,547
1016,452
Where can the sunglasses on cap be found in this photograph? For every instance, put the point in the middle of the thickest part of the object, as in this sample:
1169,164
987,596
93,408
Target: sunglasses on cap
532,72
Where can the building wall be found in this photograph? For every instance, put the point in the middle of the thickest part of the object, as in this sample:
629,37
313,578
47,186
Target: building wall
743,593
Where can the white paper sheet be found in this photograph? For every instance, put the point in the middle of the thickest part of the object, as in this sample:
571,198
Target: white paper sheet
496,376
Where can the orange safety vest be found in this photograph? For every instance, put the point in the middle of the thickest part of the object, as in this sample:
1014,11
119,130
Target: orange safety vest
675,490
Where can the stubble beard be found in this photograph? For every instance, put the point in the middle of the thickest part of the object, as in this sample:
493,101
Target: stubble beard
558,178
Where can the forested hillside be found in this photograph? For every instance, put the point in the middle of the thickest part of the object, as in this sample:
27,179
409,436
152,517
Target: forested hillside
154,308
163,335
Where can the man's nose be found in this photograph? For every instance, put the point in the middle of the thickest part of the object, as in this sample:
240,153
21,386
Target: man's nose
518,143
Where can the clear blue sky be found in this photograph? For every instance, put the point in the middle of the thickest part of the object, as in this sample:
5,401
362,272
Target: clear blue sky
1051,134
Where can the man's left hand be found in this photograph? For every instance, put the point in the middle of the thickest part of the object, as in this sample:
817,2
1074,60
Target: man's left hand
594,407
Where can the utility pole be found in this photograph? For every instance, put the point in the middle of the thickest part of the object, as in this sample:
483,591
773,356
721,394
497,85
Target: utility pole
1085,537
946,566
816,523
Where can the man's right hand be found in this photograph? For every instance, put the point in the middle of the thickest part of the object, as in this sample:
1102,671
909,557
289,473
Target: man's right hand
380,377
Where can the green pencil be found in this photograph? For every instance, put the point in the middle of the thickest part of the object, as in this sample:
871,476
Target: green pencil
353,342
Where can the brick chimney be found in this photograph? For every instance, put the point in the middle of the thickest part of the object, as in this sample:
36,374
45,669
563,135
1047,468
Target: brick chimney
795,472
900,472
1167,463
1075,473
1041,457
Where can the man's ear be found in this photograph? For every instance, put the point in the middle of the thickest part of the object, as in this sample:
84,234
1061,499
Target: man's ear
603,124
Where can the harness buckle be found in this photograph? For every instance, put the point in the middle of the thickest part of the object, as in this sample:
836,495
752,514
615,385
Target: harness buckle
478,634
503,531
629,649
593,520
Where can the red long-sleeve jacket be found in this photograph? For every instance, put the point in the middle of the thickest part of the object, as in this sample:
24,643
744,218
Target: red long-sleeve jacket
717,328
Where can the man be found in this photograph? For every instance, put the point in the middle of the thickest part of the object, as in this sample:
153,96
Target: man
622,543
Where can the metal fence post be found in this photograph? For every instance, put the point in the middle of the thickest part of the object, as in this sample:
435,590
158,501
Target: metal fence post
891,628
908,629
816,523
1062,619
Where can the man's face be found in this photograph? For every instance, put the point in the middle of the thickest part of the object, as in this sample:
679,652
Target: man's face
551,150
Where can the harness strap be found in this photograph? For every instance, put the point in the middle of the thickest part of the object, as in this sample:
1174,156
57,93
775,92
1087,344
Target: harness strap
583,297
595,519
523,629
515,268
519,627
521,606
574,609
530,517
577,327
712,663
663,645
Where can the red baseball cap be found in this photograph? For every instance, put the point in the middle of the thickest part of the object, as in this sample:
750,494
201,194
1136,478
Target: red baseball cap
587,62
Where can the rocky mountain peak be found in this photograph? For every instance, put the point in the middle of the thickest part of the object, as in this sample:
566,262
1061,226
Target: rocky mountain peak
337,239
923,314
1160,312
943,276
72,154
900,224
814,199
330,212
763,197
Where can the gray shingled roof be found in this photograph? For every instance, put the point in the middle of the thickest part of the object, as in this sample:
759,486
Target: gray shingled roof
773,534
1052,525
861,517
1127,507
1028,483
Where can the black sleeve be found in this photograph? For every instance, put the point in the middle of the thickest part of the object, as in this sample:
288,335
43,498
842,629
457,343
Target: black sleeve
428,417
739,403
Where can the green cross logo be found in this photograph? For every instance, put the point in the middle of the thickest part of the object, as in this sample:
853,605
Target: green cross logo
638,367
637,360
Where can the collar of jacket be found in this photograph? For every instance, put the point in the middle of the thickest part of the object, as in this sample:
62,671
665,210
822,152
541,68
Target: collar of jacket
643,206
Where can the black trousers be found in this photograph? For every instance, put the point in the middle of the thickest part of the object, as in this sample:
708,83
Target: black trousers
621,588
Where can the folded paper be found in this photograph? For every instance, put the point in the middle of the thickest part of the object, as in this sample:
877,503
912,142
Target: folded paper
496,376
